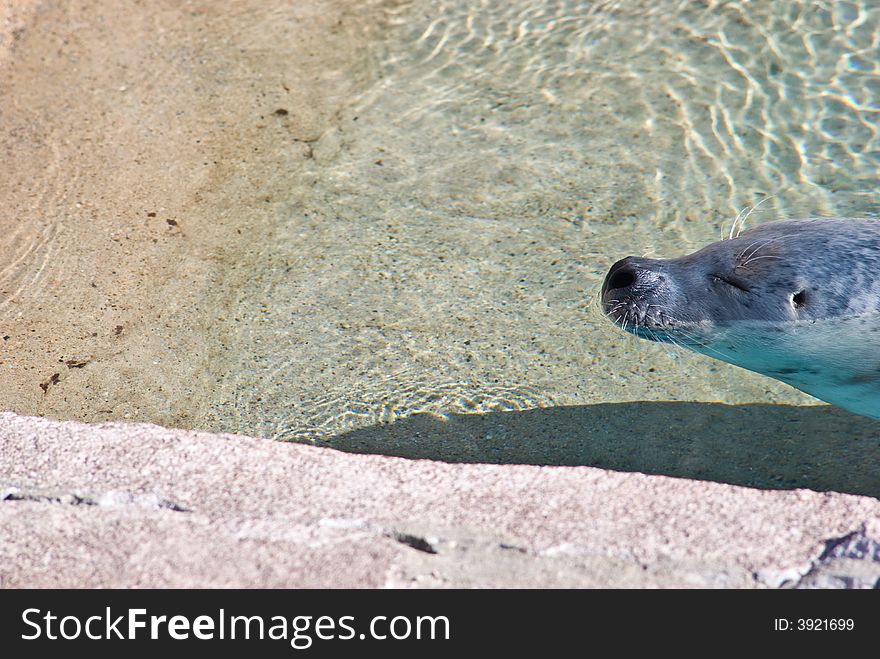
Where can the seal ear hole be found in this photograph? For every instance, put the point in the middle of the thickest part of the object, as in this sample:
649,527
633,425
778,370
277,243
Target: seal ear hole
799,299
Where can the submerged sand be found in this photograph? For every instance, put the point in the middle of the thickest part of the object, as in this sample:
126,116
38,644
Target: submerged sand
142,146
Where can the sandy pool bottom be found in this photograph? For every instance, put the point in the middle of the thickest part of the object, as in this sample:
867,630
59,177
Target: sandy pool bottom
207,227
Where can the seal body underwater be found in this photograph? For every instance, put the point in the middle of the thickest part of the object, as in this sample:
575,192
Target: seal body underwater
796,300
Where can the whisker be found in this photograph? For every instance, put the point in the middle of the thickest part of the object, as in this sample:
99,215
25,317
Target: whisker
733,226
754,208
755,247
756,258
692,338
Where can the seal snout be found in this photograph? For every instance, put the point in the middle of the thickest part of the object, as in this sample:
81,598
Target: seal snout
628,278
629,289
620,279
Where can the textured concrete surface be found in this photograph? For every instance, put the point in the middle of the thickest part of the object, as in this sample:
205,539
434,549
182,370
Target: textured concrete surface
139,505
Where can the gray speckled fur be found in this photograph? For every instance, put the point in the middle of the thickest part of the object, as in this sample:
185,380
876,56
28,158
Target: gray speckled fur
797,300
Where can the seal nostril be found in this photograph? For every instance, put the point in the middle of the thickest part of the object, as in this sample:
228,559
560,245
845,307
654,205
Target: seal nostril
623,278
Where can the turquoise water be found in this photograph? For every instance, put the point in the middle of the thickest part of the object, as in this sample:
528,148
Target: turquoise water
442,248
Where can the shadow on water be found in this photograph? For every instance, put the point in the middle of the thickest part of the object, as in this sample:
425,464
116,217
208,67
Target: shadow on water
757,445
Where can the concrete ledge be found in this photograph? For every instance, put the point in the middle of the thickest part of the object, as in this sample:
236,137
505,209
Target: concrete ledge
118,505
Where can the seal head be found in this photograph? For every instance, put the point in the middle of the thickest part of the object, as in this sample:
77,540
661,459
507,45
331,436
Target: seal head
797,300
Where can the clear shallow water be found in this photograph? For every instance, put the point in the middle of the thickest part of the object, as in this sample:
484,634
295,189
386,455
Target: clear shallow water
441,250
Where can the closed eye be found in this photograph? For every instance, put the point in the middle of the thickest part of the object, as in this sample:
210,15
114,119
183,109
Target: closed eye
730,281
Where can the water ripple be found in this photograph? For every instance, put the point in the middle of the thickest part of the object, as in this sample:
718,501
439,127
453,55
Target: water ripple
751,97
33,246
505,143
388,398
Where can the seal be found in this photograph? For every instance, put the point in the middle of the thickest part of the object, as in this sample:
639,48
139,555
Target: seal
796,300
